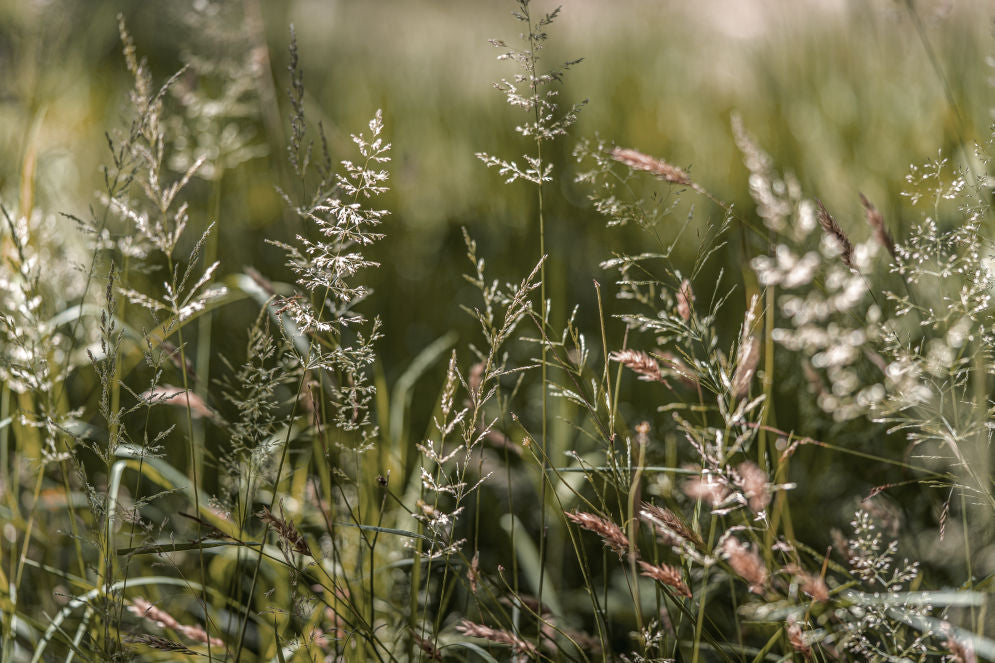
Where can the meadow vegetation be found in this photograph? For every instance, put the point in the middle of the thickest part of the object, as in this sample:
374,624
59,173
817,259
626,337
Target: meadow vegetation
284,391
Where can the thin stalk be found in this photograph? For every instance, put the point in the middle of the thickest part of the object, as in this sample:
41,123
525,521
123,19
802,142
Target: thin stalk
768,383
637,477
206,321
195,479
543,311
699,623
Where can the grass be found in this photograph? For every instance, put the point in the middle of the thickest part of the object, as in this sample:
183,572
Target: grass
241,420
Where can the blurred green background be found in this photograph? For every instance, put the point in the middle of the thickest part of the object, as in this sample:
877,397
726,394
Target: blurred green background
843,93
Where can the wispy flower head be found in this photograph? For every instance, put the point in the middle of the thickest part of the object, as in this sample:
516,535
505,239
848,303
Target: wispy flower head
518,645
710,488
666,575
609,532
685,300
638,161
668,525
836,234
645,366
753,482
746,563
876,221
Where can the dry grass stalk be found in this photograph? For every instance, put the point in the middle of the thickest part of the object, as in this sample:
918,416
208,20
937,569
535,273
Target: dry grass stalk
753,482
475,630
746,563
685,300
142,608
640,363
639,161
876,220
609,532
666,575
747,360
833,229
287,531
668,525
162,644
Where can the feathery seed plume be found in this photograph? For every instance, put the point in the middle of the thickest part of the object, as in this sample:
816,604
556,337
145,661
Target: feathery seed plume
639,161
666,575
667,524
834,230
287,531
797,639
813,586
609,532
708,487
144,609
961,651
746,563
475,630
685,298
753,482
876,221
747,359
641,363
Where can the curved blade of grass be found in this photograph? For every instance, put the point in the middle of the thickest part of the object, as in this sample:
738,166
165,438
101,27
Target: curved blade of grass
86,599
386,530
945,598
476,649
982,646
178,547
528,556
400,397
403,392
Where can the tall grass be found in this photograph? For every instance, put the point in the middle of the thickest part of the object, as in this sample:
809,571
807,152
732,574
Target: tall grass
174,488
